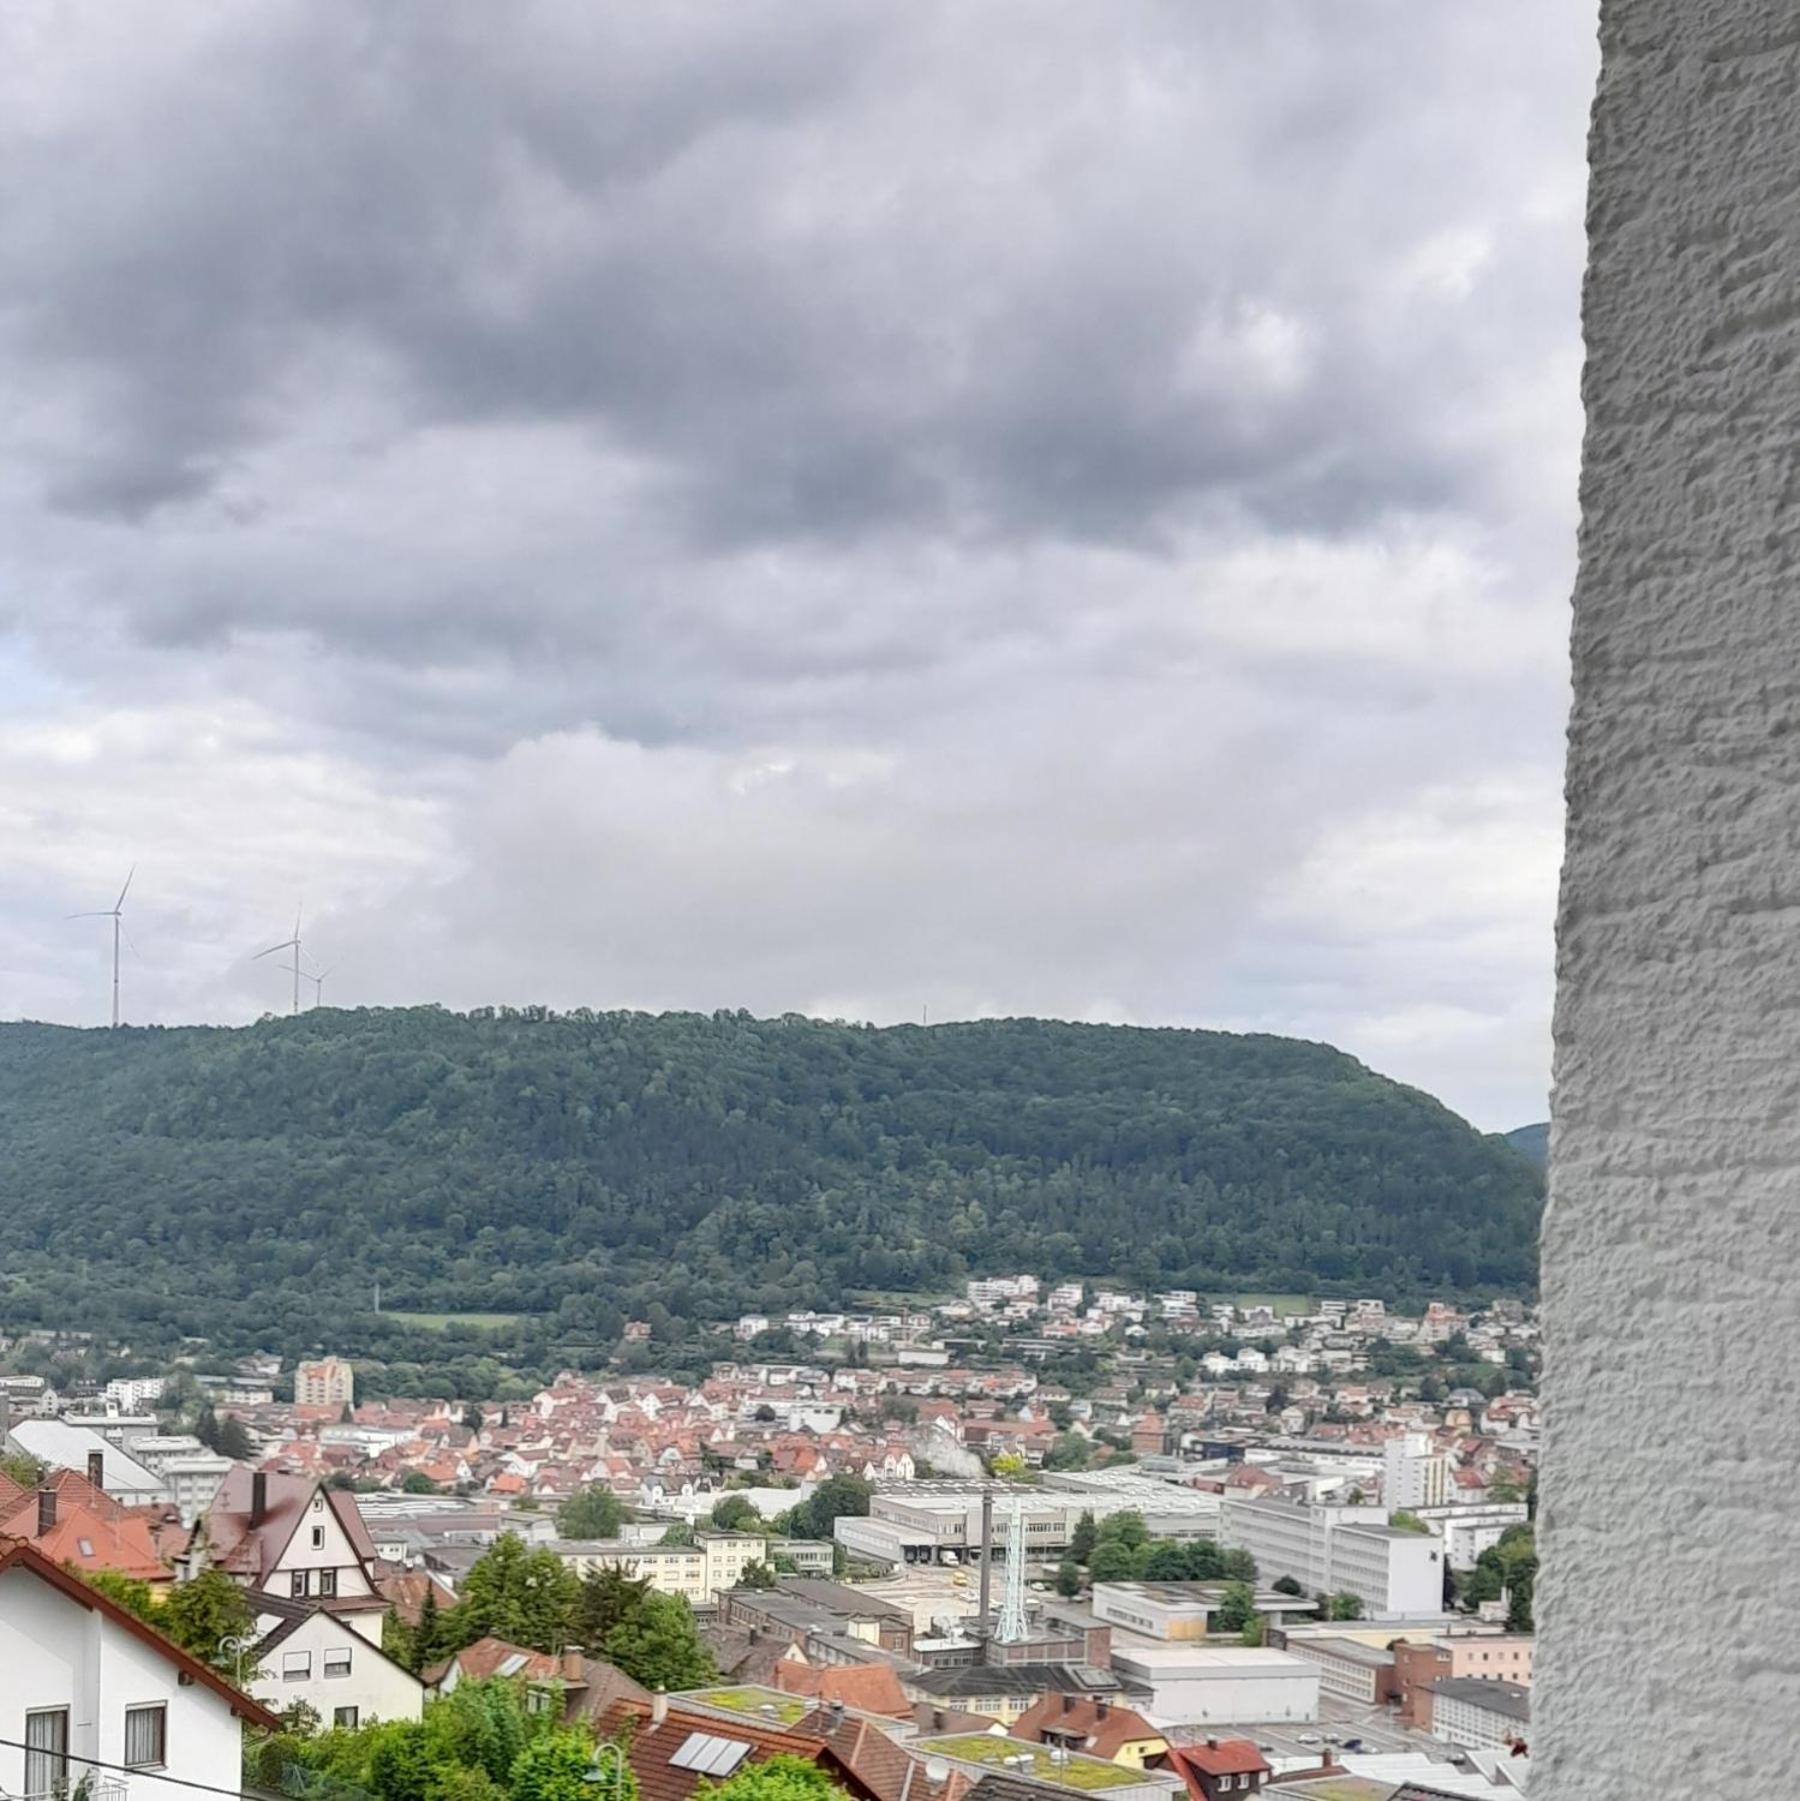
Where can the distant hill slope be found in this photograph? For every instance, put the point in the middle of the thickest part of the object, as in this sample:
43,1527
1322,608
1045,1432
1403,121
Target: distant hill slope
255,1183
1533,1142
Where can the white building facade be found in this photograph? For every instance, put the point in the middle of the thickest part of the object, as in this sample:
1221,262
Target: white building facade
88,1691
1340,1550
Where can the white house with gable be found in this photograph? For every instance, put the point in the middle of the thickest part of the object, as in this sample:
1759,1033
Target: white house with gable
87,1690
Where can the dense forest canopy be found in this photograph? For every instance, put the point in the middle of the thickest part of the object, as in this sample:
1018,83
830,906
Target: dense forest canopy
254,1184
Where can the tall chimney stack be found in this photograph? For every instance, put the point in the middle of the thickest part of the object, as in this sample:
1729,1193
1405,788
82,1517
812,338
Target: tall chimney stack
46,1511
97,1469
987,1567
259,1498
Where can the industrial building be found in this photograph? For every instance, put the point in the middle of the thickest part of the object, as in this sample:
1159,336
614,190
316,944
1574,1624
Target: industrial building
1340,1550
940,1522
1218,1685
1181,1612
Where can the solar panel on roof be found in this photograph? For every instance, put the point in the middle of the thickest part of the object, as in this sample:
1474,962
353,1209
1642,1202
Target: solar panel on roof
708,1755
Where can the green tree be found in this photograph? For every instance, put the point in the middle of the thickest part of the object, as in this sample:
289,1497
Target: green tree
1286,1585
126,1592
202,1614
416,1482
659,1647
1127,1529
1236,1609
592,1512
608,1598
1082,1539
234,1440
1403,1521
834,1498
23,1469
1344,1606
1068,1578
1113,1562
525,1597
555,1768
735,1513
757,1575
782,1778
1238,1565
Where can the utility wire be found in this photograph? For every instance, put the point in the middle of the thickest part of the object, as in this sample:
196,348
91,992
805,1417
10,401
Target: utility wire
127,1769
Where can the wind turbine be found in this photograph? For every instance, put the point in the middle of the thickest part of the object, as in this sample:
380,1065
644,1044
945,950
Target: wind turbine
116,914
318,981
287,944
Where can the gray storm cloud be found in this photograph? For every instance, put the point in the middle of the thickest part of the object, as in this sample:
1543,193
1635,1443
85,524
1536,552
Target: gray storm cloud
806,507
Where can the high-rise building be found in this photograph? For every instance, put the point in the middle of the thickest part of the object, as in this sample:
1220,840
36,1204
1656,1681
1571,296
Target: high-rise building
330,1382
1417,1474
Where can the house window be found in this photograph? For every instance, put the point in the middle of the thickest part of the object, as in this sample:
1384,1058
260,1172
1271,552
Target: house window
297,1583
47,1752
344,1716
328,1584
337,1662
146,1736
296,1666
318,1535
537,1700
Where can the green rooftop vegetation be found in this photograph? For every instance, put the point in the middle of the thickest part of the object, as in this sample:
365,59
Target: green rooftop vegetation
750,1700
992,1751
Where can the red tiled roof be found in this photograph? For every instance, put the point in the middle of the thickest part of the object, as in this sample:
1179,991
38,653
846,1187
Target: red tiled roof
253,1551
872,1687
651,1743
1222,1757
84,1539
1079,1716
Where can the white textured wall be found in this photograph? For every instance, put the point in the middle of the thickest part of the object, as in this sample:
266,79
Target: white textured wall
1671,1516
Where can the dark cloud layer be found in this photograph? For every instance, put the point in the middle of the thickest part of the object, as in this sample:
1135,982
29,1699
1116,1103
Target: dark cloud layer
1155,419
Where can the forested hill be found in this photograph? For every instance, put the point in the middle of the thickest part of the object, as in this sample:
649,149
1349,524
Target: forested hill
587,1168
1532,1142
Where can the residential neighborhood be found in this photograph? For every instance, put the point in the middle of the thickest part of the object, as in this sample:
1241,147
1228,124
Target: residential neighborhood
1209,1547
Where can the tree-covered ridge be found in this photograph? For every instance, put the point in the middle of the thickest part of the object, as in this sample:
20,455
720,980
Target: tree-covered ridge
587,1168
1532,1142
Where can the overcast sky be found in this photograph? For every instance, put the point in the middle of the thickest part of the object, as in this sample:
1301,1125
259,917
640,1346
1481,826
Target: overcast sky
1004,506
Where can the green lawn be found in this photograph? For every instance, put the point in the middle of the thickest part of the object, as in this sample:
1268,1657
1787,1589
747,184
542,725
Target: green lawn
751,1700
1283,1304
1079,1772
436,1322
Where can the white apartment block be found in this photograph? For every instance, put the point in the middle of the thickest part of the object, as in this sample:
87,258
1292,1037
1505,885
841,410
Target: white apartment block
1340,1550
1469,1530
327,1382
132,1394
1416,1473
997,1291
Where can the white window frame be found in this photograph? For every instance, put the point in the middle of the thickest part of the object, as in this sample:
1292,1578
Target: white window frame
335,1664
296,1666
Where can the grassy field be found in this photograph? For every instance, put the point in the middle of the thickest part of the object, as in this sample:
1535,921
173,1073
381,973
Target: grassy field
436,1322
1283,1304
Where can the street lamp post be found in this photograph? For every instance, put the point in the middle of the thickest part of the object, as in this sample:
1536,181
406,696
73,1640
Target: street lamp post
607,1775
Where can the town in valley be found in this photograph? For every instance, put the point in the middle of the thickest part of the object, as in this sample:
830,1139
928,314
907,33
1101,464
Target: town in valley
1035,1536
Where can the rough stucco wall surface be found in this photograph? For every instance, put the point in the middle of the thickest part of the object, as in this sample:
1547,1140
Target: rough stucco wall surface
1670,1524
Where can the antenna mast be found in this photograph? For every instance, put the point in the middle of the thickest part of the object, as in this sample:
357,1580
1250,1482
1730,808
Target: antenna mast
1011,1627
